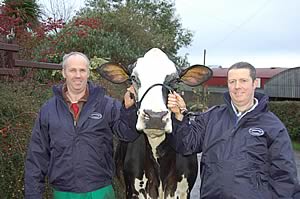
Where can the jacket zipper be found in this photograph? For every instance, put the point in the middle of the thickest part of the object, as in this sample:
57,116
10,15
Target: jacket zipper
75,123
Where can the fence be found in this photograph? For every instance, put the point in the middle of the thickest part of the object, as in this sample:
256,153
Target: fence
12,64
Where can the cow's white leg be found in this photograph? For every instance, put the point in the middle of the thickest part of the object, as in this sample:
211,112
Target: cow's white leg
181,190
140,187
161,191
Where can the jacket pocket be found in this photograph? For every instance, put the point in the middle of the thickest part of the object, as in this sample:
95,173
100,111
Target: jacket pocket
256,149
260,186
259,182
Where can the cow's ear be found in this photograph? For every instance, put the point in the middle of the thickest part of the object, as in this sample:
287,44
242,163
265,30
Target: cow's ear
116,73
195,75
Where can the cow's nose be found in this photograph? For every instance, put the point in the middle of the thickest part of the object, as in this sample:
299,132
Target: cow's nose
155,119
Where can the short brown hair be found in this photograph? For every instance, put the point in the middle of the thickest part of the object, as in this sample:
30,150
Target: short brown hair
245,65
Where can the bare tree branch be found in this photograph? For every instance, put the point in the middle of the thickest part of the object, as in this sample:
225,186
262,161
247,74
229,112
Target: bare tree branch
60,9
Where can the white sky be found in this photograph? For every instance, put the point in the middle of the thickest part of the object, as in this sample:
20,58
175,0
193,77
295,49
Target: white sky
264,33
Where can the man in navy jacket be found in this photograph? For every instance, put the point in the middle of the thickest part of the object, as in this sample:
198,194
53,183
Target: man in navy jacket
72,140
246,150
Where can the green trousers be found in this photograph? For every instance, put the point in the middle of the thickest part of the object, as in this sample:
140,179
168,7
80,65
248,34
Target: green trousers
103,193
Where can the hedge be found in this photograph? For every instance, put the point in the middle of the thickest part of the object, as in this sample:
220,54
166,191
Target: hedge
289,113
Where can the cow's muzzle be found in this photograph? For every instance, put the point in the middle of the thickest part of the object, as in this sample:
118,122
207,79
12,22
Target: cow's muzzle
155,120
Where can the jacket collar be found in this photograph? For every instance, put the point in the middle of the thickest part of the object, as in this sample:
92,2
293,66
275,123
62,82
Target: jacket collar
95,92
262,105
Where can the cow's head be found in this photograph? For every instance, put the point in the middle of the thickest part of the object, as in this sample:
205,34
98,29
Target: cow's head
153,77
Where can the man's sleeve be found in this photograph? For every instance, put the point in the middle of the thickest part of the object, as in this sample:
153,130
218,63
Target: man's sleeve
37,160
124,122
283,172
188,135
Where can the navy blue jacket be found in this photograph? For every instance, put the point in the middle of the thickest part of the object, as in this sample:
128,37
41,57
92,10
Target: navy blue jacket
250,158
76,158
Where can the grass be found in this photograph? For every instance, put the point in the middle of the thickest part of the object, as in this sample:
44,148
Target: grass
296,145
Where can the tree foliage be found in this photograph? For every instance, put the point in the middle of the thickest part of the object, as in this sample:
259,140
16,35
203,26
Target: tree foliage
115,30
130,28
18,15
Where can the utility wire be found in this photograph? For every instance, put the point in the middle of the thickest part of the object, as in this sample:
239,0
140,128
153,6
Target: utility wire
238,27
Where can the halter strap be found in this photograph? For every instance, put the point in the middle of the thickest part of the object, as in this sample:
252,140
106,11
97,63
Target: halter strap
170,89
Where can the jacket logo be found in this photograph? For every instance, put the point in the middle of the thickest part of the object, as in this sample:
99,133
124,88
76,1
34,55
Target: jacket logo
256,131
96,116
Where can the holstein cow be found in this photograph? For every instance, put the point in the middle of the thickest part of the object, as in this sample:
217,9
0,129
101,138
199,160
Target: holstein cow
151,168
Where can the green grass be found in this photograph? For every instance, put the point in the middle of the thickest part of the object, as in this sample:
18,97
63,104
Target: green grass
296,145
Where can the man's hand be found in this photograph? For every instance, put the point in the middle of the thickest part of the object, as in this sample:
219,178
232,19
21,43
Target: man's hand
129,97
176,104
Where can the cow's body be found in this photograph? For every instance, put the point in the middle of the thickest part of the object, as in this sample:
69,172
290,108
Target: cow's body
171,175
151,168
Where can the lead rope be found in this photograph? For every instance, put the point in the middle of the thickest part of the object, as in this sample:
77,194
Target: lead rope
138,103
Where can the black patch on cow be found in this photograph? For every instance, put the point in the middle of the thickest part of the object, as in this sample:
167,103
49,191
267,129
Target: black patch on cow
170,81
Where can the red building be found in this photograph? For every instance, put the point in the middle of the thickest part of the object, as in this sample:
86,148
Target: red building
219,78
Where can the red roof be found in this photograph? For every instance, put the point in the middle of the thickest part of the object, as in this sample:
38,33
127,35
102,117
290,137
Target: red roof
260,72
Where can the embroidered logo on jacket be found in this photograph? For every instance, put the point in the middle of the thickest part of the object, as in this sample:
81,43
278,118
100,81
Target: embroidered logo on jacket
96,116
256,131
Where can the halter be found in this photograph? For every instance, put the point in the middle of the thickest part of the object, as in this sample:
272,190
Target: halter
169,88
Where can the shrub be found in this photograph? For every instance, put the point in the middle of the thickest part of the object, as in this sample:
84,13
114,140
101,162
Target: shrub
289,113
19,104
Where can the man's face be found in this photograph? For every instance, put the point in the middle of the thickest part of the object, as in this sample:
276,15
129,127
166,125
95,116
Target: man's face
241,86
76,74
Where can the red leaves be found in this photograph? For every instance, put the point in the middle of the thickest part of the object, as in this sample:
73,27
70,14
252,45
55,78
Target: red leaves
52,25
48,39
11,19
83,26
92,23
3,132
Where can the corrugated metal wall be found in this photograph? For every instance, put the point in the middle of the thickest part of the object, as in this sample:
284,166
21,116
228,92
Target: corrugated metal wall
285,84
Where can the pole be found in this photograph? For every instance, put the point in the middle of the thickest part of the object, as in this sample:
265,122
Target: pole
204,57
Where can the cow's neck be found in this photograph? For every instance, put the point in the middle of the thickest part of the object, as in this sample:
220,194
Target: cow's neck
155,138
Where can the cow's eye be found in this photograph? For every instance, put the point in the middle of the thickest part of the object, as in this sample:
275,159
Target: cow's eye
133,79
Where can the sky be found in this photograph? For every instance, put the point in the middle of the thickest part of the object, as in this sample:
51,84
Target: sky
264,33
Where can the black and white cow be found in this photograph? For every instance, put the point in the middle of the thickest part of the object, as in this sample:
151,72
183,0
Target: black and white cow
151,168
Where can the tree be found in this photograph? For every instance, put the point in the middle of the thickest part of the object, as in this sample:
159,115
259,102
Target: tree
130,28
20,23
116,30
59,9
18,16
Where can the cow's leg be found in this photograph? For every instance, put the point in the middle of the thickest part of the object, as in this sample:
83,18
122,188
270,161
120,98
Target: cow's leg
140,170
188,168
168,175
134,166
119,157
130,190
154,188
179,174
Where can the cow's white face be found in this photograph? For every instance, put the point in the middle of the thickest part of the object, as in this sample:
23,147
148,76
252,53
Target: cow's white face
154,68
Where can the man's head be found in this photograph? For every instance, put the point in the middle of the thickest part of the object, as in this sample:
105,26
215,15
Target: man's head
241,80
76,71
